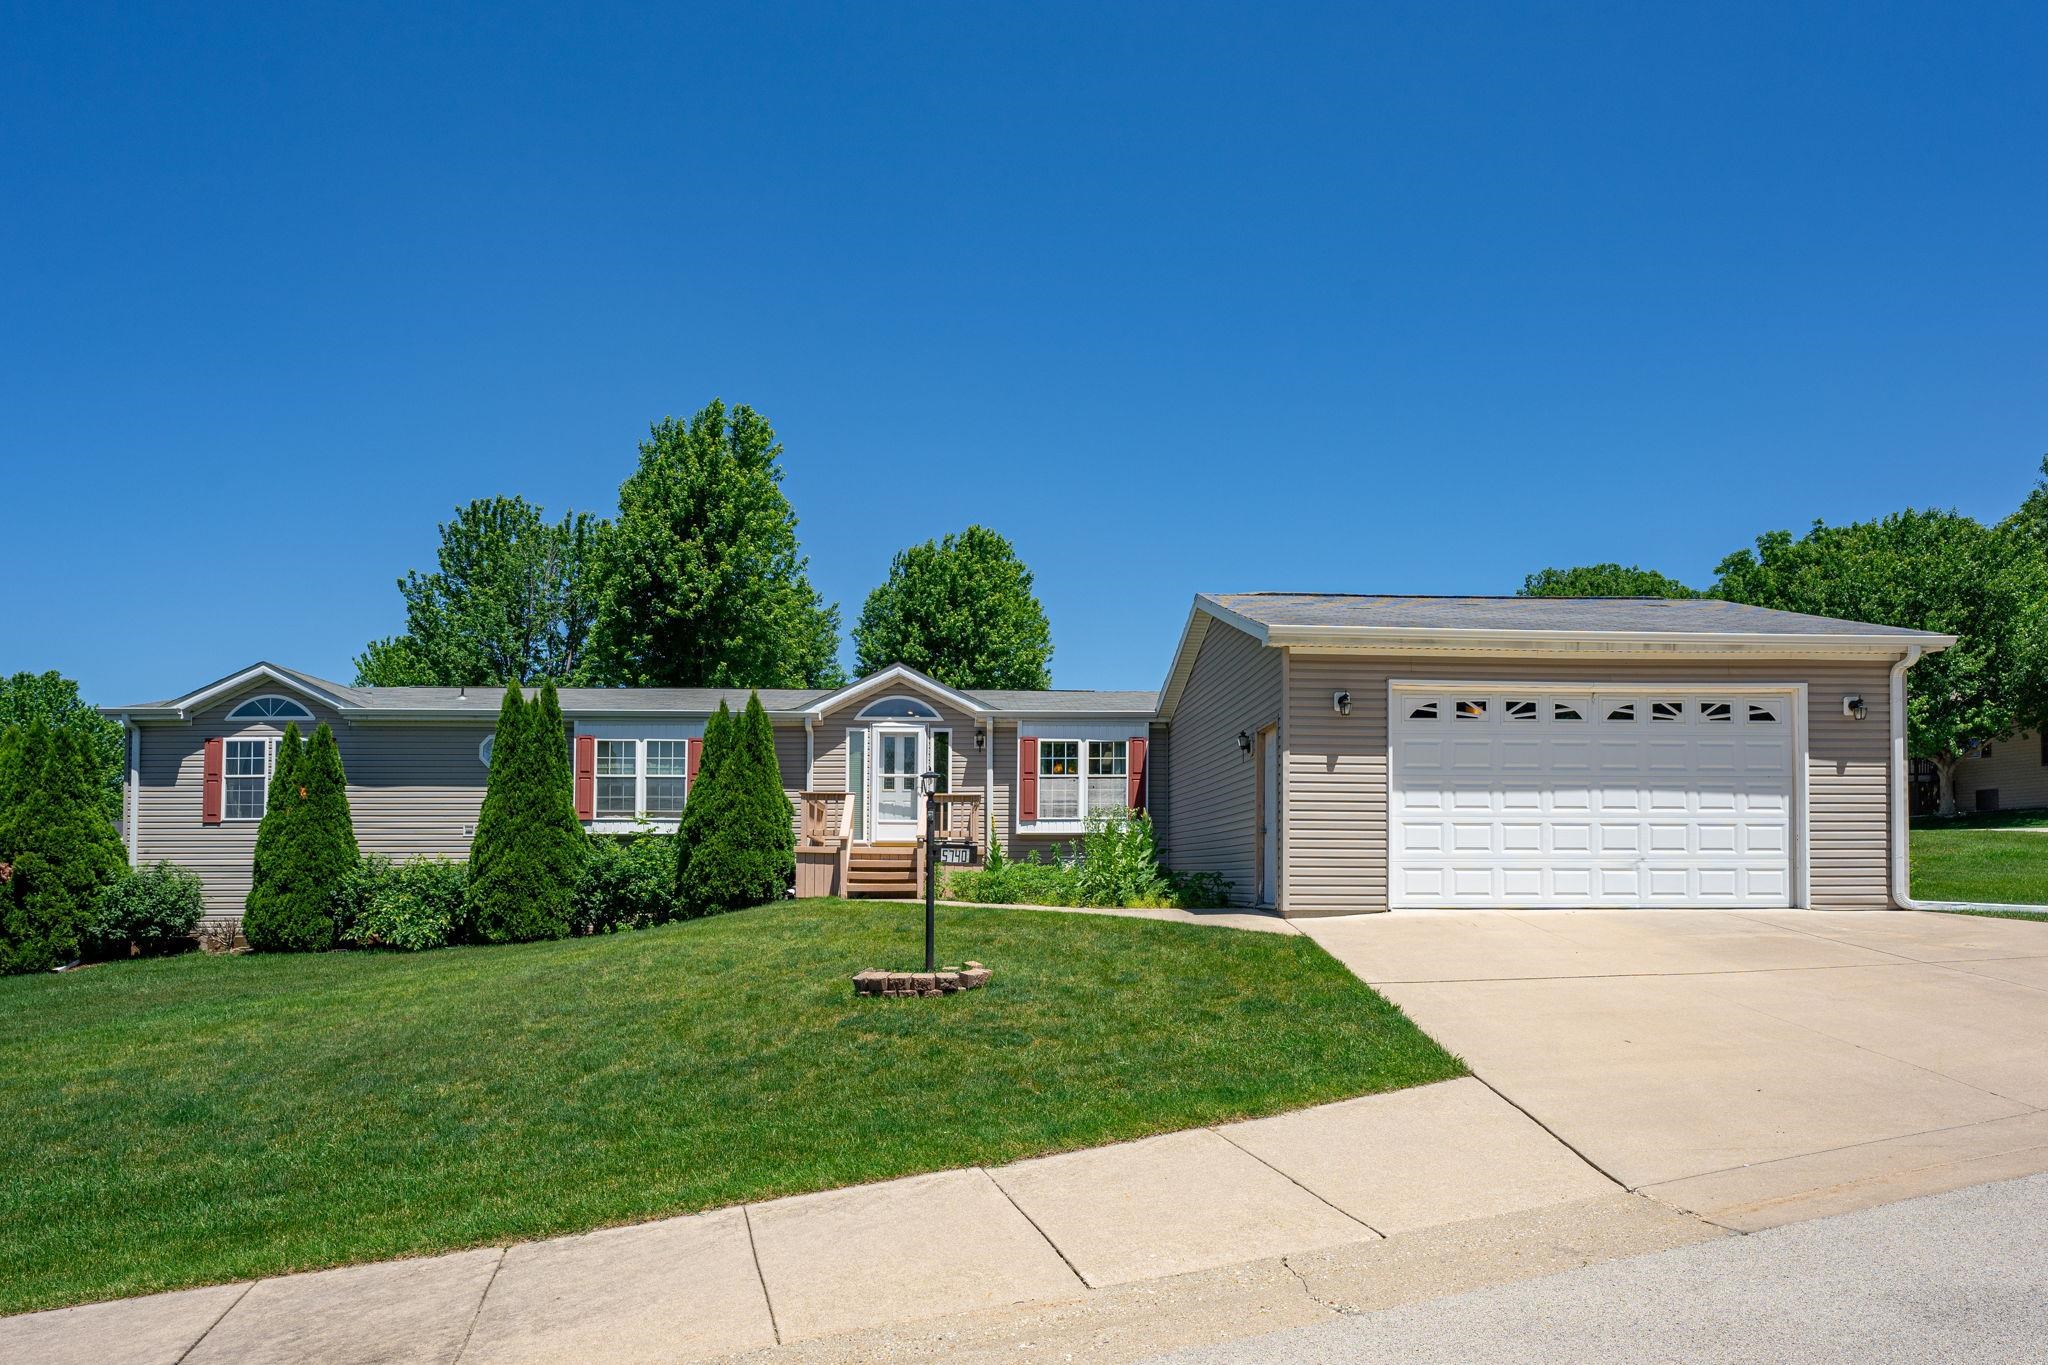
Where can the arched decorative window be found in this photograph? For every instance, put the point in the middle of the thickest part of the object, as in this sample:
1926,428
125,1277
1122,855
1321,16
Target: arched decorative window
483,750
898,708
270,706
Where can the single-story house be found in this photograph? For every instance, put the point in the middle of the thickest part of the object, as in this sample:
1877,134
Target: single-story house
1327,753
2008,775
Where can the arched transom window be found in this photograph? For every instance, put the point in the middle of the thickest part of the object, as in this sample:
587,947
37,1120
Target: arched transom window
270,706
898,708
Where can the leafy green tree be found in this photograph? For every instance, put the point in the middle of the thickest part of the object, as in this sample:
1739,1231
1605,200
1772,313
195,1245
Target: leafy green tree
509,599
54,698
1931,570
742,848
311,851
527,857
59,851
699,582
703,809
1603,580
960,610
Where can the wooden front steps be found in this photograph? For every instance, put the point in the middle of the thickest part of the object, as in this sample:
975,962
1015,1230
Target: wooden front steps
884,870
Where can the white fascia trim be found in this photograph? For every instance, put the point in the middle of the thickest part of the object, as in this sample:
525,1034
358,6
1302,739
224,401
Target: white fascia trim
370,716
892,675
184,706
1392,637
1205,609
1674,684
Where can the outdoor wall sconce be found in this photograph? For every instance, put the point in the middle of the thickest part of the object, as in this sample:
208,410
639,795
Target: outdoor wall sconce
980,738
1853,707
1340,702
1244,742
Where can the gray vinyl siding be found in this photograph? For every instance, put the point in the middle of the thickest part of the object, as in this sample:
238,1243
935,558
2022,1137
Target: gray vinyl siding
2014,770
1335,849
969,766
1211,785
413,788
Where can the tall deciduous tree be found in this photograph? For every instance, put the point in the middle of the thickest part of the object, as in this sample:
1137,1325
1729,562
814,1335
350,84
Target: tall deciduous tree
53,698
1931,570
699,583
509,599
961,610
1603,580
58,847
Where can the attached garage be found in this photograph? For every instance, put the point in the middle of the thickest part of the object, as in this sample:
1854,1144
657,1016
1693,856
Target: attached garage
1602,795
1337,753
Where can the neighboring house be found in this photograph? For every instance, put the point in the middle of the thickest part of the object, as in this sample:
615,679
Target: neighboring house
2009,774
1328,754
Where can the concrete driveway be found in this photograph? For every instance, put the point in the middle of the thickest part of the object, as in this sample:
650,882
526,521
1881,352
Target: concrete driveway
1753,1068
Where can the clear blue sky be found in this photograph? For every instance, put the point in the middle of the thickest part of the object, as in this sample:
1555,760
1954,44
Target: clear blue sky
1376,298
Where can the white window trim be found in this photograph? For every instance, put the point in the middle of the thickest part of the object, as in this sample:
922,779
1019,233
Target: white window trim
868,712
269,743
300,711
638,734
1067,732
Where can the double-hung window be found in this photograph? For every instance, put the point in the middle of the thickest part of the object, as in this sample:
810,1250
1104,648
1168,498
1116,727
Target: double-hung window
246,778
1108,792
1059,779
618,774
667,761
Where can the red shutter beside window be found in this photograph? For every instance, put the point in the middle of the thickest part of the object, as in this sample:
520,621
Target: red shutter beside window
1027,779
693,755
586,776
1134,767
213,780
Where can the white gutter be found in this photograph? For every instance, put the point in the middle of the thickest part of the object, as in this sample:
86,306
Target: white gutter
1902,808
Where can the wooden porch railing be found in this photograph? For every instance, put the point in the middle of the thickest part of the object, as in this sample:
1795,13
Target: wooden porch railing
960,816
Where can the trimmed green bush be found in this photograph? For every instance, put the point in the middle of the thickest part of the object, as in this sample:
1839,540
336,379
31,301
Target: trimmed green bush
528,856
699,810
61,850
742,848
415,905
629,883
312,849
146,912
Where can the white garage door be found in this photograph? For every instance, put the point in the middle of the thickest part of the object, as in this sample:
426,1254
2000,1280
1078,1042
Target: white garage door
1621,798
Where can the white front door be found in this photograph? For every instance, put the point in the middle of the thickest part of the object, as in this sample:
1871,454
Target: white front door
899,758
1583,796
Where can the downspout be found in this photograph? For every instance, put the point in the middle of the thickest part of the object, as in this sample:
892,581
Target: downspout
131,795
1902,812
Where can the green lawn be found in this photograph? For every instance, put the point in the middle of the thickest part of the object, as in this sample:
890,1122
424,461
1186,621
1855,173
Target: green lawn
201,1119
2001,857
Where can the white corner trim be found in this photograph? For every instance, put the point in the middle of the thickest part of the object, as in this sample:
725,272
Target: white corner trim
1901,791
131,795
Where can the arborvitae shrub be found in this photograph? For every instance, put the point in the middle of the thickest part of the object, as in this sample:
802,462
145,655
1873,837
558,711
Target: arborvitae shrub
700,808
743,848
61,850
529,851
309,852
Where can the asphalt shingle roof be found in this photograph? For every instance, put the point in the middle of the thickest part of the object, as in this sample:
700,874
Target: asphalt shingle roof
1631,614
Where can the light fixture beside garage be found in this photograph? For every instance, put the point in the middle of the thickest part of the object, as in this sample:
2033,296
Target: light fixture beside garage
1244,741
1853,707
1340,702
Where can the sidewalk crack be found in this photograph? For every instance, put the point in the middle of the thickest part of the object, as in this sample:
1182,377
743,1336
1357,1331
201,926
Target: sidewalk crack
478,1312
215,1323
754,1248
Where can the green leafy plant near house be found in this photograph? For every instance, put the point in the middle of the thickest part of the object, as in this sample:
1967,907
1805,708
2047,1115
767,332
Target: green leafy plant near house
737,846
60,851
412,905
530,849
149,911
1116,866
629,884
305,848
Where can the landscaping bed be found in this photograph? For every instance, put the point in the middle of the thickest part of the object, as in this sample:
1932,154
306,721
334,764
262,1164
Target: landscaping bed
1999,858
192,1120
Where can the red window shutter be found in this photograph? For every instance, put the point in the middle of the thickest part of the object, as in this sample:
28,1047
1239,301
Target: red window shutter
1134,767
586,776
1027,779
213,771
693,756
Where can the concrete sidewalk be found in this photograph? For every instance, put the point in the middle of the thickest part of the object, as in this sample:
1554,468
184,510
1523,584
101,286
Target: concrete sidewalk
1056,1230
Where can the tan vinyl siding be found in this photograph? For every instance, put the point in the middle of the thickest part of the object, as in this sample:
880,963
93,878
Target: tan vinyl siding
412,788
2014,770
1158,804
1211,786
969,766
789,760
1336,845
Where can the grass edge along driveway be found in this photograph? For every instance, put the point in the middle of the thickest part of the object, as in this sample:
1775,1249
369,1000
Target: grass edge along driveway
198,1120
2001,857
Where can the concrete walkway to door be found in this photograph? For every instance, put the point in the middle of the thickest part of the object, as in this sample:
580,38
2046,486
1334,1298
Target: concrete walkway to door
1754,1068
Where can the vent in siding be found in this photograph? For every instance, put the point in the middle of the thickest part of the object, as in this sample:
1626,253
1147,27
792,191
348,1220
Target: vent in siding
469,831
